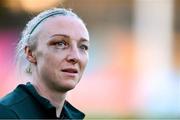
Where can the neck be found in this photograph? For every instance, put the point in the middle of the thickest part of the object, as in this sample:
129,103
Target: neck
56,98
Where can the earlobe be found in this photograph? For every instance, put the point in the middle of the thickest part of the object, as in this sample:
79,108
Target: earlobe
29,55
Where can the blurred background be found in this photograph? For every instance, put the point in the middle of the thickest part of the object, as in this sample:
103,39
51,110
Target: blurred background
134,66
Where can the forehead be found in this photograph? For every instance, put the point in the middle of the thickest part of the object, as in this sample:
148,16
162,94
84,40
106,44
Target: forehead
67,25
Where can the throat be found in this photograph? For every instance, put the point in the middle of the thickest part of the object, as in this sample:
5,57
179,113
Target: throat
59,110
57,99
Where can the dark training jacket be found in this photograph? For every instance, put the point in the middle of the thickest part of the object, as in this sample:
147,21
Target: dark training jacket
25,103
7,113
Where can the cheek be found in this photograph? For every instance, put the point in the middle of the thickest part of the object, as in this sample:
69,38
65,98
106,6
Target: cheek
52,60
84,61
47,60
49,67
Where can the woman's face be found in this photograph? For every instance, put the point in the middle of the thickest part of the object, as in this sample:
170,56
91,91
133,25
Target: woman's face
61,52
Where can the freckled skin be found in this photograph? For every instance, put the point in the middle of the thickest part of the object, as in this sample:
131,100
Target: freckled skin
52,58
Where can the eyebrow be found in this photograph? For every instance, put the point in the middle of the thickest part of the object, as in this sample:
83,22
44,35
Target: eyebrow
66,36
60,35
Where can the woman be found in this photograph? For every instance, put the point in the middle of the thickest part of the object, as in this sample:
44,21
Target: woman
54,48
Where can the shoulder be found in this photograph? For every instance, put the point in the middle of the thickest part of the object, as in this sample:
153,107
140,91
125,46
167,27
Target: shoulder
22,103
10,104
6,113
13,97
15,101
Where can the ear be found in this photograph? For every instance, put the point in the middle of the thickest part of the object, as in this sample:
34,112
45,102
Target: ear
29,55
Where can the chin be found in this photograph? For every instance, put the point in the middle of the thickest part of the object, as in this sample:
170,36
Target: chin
67,86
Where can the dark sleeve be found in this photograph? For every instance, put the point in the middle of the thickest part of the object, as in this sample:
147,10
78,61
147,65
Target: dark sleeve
6,113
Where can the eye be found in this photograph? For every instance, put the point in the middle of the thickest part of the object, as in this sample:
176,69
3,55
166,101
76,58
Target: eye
84,47
61,44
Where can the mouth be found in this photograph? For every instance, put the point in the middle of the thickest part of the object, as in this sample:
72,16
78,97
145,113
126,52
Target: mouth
70,70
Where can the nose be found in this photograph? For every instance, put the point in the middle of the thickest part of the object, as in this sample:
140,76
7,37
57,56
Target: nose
73,57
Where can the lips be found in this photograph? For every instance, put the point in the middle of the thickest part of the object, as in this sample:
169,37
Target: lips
70,70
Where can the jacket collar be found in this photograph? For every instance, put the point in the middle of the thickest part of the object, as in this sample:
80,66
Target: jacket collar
68,111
